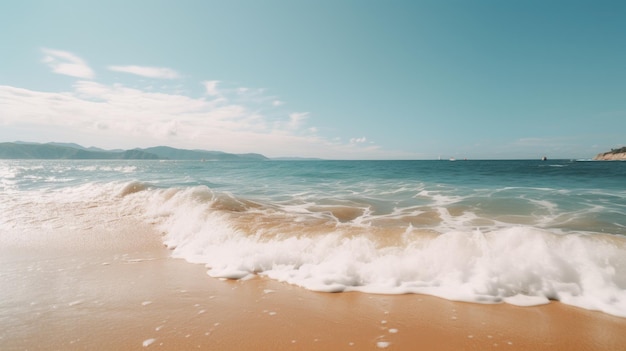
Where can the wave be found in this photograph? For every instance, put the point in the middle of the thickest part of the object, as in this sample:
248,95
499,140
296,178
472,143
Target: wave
336,248
442,244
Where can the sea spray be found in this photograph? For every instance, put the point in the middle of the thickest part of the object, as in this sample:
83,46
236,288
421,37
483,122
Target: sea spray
521,265
520,232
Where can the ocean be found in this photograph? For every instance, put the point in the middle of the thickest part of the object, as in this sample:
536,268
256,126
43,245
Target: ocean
517,232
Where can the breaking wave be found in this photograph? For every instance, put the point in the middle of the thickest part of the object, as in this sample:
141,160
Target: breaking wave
336,248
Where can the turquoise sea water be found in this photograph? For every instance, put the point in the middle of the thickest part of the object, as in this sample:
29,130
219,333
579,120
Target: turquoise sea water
521,232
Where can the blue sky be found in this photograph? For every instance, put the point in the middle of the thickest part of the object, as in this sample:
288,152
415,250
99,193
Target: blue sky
333,79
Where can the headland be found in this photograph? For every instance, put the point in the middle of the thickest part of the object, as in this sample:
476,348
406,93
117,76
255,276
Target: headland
613,155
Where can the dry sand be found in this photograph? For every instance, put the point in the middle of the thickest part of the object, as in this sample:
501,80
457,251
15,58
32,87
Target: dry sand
122,291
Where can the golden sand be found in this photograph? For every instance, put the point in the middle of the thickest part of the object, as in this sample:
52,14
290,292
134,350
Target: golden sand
122,291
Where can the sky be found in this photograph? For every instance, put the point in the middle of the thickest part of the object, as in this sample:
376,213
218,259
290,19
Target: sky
340,79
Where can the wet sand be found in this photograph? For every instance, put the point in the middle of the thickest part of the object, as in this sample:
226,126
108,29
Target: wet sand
109,290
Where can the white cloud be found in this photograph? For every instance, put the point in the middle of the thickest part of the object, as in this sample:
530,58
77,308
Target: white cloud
66,63
211,87
116,116
296,119
120,116
148,72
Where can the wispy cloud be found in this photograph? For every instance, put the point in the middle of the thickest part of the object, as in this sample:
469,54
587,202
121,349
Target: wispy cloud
66,63
358,140
296,119
117,116
210,87
226,117
148,72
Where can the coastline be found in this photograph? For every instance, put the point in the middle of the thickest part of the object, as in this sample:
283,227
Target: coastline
613,155
122,291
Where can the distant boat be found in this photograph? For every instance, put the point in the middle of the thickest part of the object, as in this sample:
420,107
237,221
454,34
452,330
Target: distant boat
544,158
452,159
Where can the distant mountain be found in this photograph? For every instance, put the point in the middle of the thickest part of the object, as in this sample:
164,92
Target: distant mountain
91,148
171,153
63,151
72,145
26,150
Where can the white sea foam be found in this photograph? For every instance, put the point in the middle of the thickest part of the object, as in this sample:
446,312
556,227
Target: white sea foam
520,265
437,244
383,344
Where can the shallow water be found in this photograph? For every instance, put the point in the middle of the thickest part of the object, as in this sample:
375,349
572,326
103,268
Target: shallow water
520,232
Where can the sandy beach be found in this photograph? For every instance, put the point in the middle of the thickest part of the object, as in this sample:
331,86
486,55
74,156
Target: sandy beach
109,290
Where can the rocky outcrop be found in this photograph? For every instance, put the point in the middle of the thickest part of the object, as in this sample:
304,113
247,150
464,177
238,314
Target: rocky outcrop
613,155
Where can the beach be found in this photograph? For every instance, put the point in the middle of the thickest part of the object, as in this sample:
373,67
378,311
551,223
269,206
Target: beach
75,288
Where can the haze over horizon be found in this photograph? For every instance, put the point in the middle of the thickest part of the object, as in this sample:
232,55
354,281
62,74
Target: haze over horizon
334,80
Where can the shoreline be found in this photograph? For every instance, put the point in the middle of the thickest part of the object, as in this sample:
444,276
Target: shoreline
123,291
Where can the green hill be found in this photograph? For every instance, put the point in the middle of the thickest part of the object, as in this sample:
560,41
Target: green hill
25,150
52,151
171,153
